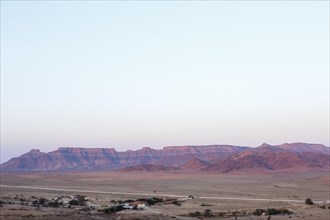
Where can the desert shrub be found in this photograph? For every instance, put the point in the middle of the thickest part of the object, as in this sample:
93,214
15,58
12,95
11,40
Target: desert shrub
258,212
208,213
154,200
74,202
87,209
151,201
309,201
271,211
195,214
176,202
322,206
42,201
81,199
113,209
35,202
109,210
54,204
222,214
128,201
285,212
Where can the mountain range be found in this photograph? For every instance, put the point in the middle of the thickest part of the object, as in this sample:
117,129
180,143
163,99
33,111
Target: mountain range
206,158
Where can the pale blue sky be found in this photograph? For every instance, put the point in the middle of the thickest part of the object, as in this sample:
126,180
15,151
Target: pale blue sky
141,73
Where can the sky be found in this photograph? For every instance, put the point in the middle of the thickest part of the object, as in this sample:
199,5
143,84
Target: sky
161,73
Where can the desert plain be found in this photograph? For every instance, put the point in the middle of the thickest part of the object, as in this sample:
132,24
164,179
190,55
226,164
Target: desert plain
179,195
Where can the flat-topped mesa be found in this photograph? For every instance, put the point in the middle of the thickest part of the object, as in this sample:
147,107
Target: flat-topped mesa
199,149
221,158
86,149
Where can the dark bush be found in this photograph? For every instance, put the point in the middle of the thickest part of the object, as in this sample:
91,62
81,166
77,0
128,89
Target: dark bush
176,202
113,209
195,214
208,213
258,212
271,211
154,200
81,199
151,201
42,201
308,201
128,201
74,202
54,204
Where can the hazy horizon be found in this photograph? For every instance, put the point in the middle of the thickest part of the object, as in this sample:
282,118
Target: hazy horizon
139,74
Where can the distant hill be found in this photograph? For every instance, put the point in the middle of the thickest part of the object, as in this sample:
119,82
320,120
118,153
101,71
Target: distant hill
296,156
209,158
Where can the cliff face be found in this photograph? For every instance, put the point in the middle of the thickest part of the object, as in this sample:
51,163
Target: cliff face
109,158
215,158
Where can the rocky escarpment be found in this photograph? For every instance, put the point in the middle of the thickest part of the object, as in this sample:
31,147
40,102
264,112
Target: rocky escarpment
213,158
109,158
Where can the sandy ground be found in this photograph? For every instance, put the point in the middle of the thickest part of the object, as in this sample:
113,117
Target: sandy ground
220,193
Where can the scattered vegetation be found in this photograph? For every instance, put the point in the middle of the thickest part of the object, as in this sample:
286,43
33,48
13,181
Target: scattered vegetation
151,201
113,209
271,211
240,213
54,204
324,206
176,202
195,214
206,213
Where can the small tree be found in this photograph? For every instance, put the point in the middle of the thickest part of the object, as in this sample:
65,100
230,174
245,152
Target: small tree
308,201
